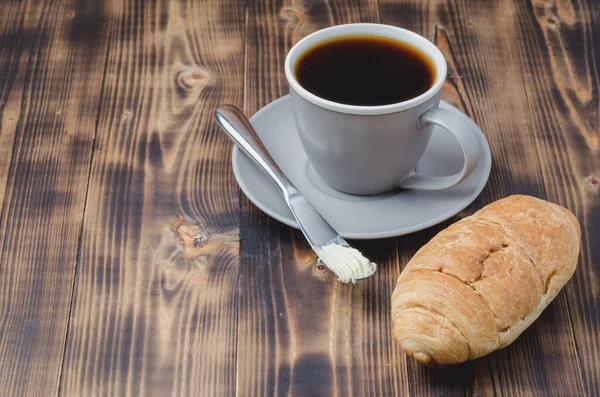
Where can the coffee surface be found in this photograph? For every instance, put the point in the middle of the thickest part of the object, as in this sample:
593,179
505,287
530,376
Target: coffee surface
365,71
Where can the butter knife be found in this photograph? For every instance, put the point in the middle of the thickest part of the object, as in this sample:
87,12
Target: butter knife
346,262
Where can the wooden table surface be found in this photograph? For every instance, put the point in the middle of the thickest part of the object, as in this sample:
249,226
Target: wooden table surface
111,163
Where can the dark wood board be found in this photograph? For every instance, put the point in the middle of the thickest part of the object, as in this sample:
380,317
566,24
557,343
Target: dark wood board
50,84
131,263
152,312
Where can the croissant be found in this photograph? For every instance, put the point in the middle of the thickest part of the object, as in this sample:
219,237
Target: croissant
478,284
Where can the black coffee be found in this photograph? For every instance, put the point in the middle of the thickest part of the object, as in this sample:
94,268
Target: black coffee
365,71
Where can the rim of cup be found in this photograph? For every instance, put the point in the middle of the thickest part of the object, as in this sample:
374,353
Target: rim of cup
367,29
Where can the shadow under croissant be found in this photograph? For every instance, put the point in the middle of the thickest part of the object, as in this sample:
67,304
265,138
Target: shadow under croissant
536,346
463,374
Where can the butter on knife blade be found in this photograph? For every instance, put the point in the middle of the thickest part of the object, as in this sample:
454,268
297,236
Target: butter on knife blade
346,262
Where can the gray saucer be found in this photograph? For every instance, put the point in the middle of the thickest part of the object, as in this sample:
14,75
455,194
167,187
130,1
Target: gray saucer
359,217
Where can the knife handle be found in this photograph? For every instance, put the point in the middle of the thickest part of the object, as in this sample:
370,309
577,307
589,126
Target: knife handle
239,129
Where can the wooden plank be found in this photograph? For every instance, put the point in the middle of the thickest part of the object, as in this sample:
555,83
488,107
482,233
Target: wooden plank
16,46
155,303
564,99
50,89
488,46
417,17
301,332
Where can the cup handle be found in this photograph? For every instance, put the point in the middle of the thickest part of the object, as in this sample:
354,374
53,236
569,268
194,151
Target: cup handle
463,133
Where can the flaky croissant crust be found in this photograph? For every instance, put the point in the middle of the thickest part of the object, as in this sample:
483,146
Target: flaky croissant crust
477,285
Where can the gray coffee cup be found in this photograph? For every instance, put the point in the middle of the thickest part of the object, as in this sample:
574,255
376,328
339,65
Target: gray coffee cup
368,150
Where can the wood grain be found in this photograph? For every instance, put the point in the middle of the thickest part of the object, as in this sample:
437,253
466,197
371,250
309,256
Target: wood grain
131,264
50,86
478,81
489,86
155,300
300,331
16,47
569,146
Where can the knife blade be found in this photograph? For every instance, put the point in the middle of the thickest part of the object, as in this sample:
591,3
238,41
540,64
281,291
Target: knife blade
346,262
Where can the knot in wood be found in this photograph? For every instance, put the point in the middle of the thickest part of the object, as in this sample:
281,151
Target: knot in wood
320,272
200,240
190,79
293,17
593,183
544,4
552,22
289,13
